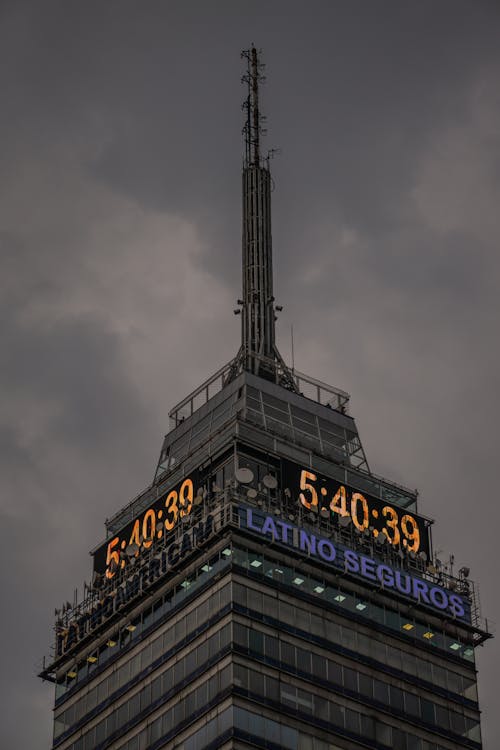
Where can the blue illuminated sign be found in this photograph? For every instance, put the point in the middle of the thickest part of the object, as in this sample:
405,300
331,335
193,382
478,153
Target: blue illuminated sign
354,563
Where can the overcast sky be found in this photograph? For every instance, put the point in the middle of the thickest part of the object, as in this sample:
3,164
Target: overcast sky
120,257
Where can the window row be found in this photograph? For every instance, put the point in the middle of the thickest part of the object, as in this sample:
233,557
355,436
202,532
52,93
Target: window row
133,631
312,705
303,621
195,660
291,739
180,713
407,627
199,433
357,684
281,417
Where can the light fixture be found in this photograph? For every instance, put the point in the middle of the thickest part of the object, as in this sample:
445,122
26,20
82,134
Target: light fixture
408,626
206,568
455,646
256,563
71,673
319,589
428,635
226,552
339,598
110,643
361,606
130,627
186,584
298,581
92,658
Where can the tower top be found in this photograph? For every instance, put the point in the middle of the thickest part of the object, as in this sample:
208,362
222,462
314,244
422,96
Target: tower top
252,129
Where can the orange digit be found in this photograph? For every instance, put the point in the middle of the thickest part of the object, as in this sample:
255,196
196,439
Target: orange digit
304,485
392,523
112,555
186,494
172,510
339,502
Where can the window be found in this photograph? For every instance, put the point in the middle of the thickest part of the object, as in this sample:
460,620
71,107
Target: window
350,679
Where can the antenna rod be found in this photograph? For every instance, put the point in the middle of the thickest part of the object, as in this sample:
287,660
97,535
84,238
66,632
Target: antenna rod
254,76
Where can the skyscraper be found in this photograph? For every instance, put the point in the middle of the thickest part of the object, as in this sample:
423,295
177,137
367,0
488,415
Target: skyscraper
267,589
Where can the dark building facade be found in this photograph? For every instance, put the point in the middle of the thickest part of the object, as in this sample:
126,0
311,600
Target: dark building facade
267,590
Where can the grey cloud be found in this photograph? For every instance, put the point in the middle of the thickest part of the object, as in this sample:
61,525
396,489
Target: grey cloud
120,251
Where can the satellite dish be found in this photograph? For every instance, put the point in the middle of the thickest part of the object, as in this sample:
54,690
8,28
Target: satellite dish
270,482
324,512
381,538
252,493
199,496
287,492
423,555
244,475
131,550
345,521
159,525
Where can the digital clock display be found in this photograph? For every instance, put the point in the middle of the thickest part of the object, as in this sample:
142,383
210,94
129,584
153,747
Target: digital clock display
368,514
154,523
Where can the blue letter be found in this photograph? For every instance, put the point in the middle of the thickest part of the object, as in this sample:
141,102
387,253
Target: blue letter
439,598
307,543
269,527
406,589
419,587
457,606
351,561
250,521
386,576
329,554
285,528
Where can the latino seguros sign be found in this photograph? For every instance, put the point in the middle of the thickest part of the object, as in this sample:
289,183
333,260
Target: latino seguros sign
361,566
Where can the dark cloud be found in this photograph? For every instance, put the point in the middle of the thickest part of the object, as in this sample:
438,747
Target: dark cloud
120,252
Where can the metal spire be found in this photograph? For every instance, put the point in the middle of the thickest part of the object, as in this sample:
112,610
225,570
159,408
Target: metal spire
252,128
258,352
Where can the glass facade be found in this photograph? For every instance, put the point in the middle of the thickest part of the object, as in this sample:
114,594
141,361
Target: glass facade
253,644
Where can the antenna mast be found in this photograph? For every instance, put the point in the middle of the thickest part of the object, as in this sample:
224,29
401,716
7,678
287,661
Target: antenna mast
258,352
